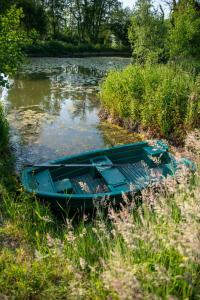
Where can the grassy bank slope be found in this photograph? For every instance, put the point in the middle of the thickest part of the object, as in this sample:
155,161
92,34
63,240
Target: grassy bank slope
149,254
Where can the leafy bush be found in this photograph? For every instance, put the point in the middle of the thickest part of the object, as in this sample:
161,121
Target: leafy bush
56,48
12,39
162,98
184,30
50,48
147,33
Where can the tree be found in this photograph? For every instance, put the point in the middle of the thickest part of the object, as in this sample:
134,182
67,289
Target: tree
120,22
12,39
55,11
172,4
184,31
147,33
4,5
34,16
90,16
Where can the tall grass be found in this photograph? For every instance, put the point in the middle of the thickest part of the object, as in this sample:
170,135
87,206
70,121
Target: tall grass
148,253
3,130
160,98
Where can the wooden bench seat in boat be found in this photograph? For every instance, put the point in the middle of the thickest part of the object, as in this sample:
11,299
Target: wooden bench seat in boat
112,176
45,183
64,186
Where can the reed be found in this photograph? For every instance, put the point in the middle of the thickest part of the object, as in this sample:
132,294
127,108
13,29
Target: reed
161,99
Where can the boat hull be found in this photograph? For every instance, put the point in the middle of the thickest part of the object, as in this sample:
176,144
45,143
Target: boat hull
133,168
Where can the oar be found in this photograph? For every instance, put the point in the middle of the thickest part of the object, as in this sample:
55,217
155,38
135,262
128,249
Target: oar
75,165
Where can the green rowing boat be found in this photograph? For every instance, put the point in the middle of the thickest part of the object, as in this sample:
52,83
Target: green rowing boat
81,180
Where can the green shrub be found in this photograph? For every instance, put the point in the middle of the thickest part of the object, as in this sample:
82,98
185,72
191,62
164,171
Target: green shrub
51,48
162,98
57,48
183,33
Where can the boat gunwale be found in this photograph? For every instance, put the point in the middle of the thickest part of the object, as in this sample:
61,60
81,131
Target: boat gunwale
26,171
68,157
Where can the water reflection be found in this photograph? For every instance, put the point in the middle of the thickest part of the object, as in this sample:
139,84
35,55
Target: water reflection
53,107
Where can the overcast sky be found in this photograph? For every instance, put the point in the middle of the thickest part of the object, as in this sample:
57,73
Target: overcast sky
131,3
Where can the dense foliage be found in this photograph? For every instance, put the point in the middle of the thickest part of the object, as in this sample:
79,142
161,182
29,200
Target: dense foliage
184,30
147,33
59,48
76,21
161,98
158,39
154,37
12,39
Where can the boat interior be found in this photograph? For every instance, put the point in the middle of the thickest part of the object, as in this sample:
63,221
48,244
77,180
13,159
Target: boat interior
114,170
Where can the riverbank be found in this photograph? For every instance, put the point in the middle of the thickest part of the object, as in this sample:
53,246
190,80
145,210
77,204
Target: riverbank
155,254
160,100
62,49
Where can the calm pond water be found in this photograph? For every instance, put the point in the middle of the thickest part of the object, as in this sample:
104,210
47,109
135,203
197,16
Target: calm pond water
53,106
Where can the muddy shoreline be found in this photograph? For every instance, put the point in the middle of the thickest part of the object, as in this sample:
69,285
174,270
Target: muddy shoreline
127,124
189,147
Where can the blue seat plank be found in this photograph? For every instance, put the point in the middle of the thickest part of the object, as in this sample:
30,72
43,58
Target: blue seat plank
63,185
44,181
112,176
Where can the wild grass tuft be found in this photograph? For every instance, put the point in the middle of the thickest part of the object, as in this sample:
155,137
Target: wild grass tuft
160,98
